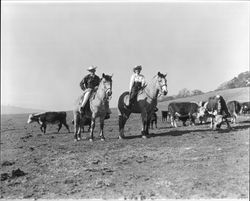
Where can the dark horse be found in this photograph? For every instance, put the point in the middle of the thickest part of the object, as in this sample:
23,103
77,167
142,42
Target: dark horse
98,108
145,104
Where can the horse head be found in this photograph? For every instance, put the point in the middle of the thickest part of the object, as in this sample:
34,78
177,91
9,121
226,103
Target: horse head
162,83
107,84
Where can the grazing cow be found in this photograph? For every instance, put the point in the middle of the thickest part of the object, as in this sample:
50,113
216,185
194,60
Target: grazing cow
182,111
234,109
215,108
245,107
87,122
153,118
49,118
164,115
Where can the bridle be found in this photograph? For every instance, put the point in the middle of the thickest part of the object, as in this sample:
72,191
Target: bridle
161,87
107,90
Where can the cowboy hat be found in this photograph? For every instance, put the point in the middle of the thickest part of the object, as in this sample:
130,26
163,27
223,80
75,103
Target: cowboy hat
91,68
137,68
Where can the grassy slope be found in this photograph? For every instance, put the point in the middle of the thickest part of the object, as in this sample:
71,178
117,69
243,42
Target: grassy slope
239,94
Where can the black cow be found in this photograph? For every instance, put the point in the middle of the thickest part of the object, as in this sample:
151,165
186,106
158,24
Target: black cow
182,111
164,115
245,107
86,122
49,118
215,108
153,118
234,108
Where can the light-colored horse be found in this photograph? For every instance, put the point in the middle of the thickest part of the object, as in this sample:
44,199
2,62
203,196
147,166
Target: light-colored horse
98,108
145,104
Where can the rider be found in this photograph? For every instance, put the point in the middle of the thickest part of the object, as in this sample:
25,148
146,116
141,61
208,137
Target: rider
137,82
88,84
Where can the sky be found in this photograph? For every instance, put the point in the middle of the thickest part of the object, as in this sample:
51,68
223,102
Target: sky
46,48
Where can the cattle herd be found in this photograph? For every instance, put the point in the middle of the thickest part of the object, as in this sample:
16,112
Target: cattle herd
215,109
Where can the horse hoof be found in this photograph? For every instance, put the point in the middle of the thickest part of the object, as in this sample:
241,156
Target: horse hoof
91,140
120,138
102,139
144,137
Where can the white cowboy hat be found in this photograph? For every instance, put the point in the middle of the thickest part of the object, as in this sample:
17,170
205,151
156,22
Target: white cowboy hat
91,68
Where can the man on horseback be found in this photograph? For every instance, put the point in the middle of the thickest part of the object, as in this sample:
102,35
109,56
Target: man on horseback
137,82
88,84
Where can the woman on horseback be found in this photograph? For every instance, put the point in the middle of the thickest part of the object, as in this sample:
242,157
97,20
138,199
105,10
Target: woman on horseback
137,82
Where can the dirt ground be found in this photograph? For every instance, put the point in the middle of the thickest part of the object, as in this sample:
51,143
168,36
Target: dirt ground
184,162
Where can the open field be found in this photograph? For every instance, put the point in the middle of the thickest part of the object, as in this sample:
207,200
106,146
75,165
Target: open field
185,162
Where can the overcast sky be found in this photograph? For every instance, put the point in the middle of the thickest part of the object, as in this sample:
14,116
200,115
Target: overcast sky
47,47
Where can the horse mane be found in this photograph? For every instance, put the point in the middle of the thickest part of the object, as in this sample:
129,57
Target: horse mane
106,77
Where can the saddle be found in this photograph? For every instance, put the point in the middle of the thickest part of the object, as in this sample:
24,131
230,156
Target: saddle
132,101
86,111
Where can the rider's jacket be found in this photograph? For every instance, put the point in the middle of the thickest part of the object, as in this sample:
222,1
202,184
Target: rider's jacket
136,80
89,81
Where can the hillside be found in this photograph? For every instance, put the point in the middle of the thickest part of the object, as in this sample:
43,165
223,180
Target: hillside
242,80
7,109
239,94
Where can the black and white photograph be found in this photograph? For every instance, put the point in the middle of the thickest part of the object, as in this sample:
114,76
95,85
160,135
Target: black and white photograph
125,100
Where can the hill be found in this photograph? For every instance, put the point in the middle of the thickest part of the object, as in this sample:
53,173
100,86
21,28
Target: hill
239,94
242,80
7,109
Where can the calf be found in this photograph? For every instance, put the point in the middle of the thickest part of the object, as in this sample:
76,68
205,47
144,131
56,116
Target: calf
49,118
84,122
153,118
182,111
215,108
203,119
164,115
234,109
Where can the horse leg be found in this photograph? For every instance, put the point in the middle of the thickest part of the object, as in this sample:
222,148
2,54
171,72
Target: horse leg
145,125
59,127
148,126
92,129
101,128
122,121
77,133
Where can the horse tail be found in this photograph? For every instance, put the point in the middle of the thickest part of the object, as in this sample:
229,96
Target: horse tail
123,113
121,104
